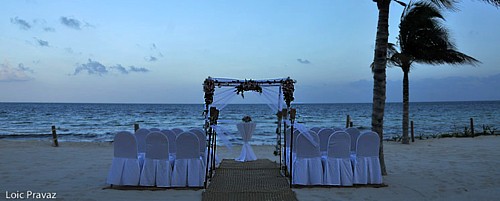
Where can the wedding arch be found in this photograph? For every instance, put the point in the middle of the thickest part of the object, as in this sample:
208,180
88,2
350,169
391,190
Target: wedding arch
216,102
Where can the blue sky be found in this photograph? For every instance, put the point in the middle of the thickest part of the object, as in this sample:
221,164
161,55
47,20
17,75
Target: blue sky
161,51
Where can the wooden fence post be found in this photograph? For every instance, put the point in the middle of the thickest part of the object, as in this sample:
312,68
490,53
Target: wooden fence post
136,127
54,137
412,133
472,126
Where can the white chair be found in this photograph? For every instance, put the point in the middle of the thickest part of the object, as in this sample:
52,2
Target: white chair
202,138
307,167
354,133
171,146
246,130
316,129
188,167
177,131
156,170
200,133
125,168
154,129
338,167
324,135
367,164
337,129
140,136
286,150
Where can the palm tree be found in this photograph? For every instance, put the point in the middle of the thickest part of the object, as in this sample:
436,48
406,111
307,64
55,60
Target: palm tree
422,39
379,64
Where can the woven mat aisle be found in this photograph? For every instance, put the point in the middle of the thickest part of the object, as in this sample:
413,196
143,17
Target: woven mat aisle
254,180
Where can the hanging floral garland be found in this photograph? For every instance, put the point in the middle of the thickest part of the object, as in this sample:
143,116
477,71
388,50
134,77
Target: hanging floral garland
249,85
209,89
288,89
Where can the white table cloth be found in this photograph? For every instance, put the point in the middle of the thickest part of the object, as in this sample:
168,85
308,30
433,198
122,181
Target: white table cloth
246,130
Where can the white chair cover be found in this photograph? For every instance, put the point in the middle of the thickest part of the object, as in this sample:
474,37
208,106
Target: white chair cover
354,133
171,145
337,129
246,130
203,143
324,135
307,167
338,167
154,129
125,169
177,131
316,129
367,164
140,136
156,170
287,147
202,138
188,167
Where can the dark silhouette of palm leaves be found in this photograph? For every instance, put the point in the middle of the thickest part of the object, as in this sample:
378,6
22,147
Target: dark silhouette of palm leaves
424,39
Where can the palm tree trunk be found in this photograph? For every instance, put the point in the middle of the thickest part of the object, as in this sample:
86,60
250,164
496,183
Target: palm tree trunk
406,104
379,83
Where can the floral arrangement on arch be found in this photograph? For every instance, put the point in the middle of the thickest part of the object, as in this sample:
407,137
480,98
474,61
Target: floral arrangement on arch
246,119
249,85
288,89
209,89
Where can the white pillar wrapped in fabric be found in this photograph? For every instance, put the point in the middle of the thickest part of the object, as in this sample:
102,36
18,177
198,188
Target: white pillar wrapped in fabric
246,130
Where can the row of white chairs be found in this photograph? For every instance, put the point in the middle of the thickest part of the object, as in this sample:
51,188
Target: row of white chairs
140,135
334,161
156,168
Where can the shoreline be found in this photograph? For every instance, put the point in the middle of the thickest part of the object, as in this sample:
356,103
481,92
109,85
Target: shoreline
433,169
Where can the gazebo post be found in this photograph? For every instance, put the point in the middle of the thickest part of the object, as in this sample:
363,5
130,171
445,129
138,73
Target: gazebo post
292,120
208,130
215,140
284,113
278,130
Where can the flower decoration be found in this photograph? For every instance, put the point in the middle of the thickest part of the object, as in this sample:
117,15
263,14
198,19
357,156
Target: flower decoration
209,89
247,119
249,85
288,89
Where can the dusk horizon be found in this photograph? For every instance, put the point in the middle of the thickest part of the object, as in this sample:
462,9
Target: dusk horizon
162,52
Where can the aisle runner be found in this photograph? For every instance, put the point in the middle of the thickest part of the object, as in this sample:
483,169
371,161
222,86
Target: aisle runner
254,180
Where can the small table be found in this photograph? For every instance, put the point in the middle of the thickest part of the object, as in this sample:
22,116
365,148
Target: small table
246,130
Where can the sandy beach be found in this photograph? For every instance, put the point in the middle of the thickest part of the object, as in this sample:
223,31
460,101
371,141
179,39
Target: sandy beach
434,169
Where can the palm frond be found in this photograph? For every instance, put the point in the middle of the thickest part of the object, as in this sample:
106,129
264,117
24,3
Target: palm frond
423,38
448,4
449,56
493,2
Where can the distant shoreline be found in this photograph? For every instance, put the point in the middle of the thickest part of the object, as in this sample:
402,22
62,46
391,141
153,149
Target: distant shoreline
111,103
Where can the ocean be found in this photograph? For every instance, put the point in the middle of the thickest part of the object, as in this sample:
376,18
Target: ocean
99,122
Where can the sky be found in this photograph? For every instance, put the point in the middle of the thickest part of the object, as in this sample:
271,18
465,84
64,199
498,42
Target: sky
128,51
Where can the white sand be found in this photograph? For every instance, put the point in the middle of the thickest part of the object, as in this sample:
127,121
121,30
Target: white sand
436,169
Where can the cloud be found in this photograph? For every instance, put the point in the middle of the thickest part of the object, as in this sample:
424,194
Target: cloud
23,24
120,68
92,68
151,59
42,43
49,29
305,61
10,74
71,23
131,69
138,69
96,68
